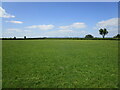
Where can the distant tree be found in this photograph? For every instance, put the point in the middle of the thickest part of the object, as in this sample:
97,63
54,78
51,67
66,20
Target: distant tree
89,36
117,36
44,37
103,32
14,38
24,37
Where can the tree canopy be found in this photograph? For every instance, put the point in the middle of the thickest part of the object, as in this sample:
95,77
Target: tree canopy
117,36
103,32
89,36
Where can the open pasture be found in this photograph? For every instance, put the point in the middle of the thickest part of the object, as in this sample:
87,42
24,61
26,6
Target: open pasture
60,64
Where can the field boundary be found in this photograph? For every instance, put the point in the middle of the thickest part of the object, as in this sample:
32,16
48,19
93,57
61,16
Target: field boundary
60,39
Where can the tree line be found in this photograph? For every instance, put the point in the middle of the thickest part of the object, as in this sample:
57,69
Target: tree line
102,32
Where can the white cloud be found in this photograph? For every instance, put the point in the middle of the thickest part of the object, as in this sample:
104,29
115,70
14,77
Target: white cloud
41,27
65,30
64,33
4,14
111,25
64,27
13,29
61,31
17,22
19,33
77,25
113,22
56,33
27,31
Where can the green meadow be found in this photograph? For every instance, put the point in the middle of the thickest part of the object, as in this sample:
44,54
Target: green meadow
60,63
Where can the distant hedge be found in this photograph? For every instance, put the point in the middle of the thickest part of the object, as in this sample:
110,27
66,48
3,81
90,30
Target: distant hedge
60,38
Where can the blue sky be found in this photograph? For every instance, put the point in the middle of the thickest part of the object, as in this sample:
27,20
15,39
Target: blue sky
60,1
61,19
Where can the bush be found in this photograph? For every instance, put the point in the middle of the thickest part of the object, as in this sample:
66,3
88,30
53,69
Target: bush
89,36
117,36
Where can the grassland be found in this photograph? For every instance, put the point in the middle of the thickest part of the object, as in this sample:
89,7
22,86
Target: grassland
60,64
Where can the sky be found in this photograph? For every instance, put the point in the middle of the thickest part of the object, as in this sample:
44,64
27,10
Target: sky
58,19
60,1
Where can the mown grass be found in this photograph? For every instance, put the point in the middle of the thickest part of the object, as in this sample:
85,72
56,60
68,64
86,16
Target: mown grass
60,64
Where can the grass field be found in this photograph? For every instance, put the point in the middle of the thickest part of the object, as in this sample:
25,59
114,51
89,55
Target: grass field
60,64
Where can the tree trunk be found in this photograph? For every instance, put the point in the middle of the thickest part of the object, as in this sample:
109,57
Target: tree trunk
103,36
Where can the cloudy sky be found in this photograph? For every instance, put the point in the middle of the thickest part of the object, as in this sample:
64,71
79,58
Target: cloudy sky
58,19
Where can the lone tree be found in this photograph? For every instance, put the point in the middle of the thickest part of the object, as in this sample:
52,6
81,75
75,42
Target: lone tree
89,36
24,37
14,38
103,32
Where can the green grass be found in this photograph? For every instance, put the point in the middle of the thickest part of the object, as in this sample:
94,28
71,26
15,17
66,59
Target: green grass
60,64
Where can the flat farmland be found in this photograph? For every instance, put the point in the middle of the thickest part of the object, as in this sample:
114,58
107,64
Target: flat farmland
60,63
